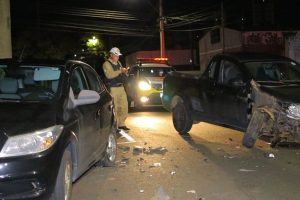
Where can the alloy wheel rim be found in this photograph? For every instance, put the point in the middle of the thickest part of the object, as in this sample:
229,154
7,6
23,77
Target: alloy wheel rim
111,148
67,180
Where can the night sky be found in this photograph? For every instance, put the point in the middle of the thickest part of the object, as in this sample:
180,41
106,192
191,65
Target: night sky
133,24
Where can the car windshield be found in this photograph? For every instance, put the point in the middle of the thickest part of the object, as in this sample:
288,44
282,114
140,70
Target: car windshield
274,70
154,71
28,82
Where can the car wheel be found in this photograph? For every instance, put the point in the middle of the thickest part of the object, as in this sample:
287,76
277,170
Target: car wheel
110,152
182,119
63,186
253,129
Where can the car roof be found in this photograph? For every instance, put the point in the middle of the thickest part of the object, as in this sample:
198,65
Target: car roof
154,65
249,56
41,62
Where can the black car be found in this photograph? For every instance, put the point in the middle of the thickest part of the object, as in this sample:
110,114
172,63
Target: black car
255,93
57,120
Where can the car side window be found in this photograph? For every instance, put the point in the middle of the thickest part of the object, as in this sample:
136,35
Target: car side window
228,73
78,82
93,80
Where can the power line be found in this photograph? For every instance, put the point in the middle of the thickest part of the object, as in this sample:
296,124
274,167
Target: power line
84,12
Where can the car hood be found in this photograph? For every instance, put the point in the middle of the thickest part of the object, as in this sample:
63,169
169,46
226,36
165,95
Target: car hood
155,79
284,91
20,118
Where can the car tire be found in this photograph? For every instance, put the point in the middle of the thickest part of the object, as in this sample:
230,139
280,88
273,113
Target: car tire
63,186
110,153
253,129
182,119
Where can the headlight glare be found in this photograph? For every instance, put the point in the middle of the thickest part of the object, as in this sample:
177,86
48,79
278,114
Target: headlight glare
143,85
31,143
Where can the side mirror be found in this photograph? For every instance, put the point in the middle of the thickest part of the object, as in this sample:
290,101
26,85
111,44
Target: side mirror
86,97
237,83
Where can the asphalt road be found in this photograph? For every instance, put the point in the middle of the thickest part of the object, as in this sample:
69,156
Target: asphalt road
156,163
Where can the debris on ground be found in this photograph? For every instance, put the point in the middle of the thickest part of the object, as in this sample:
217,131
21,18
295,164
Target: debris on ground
125,149
173,173
156,165
229,156
123,162
219,149
142,170
191,191
141,191
122,165
161,195
158,150
269,155
137,150
247,170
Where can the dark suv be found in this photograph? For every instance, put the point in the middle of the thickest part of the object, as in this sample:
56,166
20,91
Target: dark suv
57,120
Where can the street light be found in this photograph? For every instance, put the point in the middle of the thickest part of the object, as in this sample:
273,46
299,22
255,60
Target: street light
92,42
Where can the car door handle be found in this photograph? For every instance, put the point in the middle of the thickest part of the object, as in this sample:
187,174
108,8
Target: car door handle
98,113
110,107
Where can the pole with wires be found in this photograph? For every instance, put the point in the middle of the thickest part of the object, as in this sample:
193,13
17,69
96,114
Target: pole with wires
222,27
162,30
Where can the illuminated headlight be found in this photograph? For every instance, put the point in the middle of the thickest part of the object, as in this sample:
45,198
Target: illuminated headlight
143,85
144,99
31,143
293,111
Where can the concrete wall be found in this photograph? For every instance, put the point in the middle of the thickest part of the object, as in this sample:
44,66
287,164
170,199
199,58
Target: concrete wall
284,43
208,48
292,45
271,42
5,29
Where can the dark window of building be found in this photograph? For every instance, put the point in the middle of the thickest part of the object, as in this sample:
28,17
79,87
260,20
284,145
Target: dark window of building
215,36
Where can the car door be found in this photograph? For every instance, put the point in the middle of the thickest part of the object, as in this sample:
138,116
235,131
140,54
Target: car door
103,117
87,119
231,95
208,91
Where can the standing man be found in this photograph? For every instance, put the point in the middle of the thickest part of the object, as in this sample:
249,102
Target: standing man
116,76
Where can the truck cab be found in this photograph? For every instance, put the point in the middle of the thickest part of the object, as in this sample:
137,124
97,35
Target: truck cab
145,82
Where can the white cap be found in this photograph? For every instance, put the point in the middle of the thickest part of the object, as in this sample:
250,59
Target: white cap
115,51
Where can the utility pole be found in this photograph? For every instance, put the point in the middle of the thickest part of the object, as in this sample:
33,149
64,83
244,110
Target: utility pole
5,30
162,30
222,26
